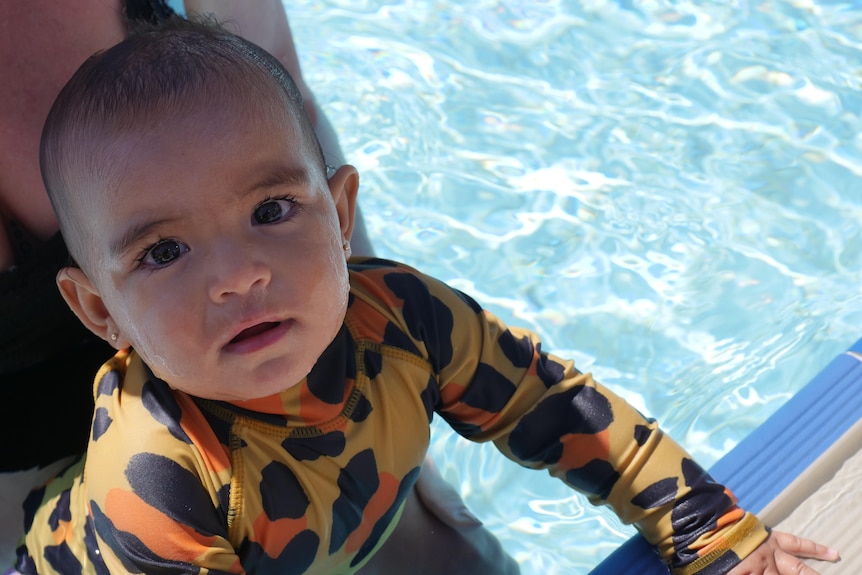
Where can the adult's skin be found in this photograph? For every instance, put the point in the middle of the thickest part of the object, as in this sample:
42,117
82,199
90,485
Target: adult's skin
42,42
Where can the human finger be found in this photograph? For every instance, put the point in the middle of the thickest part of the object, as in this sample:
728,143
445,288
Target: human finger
788,564
802,547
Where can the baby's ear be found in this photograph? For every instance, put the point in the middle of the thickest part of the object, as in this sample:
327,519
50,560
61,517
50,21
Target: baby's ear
86,303
344,185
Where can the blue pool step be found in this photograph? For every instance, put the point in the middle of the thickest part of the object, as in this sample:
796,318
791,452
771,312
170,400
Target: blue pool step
767,460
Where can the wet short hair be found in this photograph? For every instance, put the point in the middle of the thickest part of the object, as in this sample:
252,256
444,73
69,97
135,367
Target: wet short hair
174,66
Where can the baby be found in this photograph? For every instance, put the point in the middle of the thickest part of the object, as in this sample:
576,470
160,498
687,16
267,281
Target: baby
268,408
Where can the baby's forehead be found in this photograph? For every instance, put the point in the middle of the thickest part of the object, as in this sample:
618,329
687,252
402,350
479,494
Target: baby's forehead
201,112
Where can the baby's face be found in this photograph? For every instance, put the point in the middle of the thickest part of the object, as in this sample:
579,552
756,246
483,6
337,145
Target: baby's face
218,251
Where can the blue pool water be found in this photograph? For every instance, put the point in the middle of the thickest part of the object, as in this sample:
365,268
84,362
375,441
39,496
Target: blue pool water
667,191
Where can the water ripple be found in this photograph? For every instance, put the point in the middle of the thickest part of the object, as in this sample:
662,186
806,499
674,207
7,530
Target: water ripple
667,191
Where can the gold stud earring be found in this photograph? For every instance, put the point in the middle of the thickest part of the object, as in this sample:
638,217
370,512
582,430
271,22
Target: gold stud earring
346,246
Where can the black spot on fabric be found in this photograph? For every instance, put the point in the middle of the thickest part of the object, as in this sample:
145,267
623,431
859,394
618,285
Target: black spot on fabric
394,337
373,363
108,384
358,482
101,422
362,409
297,556
135,556
160,403
327,379
32,504
282,495
581,410
519,351
699,510
175,491
24,563
123,544
62,511
469,301
430,397
220,427
62,560
593,408
223,498
93,553
549,371
381,525
657,494
694,474
468,430
489,389
428,319
311,448
597,477
642,434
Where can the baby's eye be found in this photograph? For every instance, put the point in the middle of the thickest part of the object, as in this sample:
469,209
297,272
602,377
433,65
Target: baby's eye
273,210
163,252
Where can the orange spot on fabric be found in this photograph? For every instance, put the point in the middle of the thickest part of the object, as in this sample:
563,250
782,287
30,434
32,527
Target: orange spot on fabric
380,503
215,455
367,324
450,394
372,282
161,534
474,415
533,371
731,516
314,411
273,536
63,533
270,404
583,449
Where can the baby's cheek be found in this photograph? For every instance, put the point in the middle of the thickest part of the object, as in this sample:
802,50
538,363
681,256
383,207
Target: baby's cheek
166,348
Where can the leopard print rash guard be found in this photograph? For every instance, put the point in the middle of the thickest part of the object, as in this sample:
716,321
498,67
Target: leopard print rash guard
311,481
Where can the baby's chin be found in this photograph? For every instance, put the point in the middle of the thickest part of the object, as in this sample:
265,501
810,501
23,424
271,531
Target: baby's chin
234,389
264,380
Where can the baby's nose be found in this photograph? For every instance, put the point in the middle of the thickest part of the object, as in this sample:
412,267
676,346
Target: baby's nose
237,273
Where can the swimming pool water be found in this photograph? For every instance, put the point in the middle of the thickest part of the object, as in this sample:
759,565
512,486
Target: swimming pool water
666,191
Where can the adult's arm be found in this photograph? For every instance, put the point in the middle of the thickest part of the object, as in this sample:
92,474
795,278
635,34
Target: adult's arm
264,22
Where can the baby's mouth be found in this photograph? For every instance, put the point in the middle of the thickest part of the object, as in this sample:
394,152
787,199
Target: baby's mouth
255,330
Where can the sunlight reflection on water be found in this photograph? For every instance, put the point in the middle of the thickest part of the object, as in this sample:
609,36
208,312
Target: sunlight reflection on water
667,192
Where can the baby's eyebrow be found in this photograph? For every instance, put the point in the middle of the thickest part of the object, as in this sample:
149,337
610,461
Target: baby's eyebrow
293,177
282,176
133,234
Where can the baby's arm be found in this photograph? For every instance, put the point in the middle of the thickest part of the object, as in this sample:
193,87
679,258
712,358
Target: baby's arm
781,553
156,502
543,413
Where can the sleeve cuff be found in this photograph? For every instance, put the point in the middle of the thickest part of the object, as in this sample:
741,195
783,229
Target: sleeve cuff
735,545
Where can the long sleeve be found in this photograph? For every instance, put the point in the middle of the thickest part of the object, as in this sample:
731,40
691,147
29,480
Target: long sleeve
498,384
155,478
